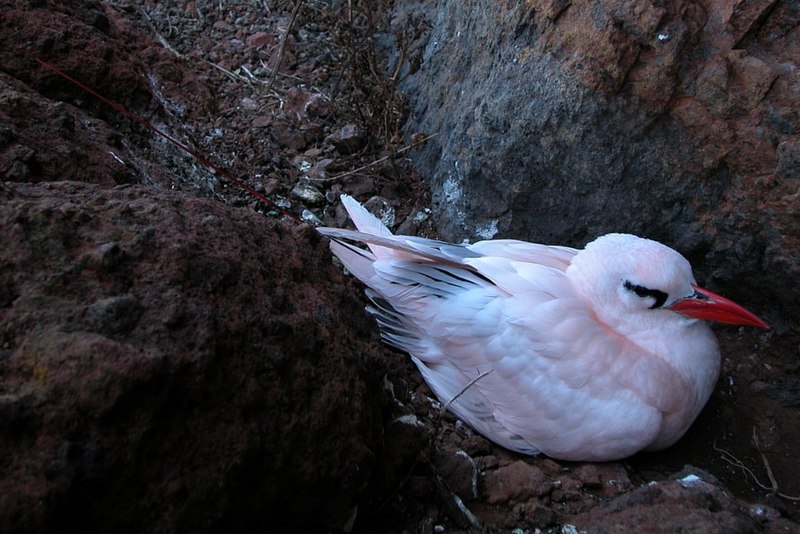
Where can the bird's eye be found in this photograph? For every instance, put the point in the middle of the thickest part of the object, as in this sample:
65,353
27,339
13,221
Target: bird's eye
641,291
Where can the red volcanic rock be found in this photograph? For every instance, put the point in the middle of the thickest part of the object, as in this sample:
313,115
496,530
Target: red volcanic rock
170,363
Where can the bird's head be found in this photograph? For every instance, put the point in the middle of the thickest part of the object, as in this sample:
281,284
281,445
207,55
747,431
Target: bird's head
629,279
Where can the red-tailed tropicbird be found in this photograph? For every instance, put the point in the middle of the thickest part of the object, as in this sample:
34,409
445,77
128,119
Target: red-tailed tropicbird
589,354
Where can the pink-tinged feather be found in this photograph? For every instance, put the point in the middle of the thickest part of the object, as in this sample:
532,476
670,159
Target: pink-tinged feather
578,354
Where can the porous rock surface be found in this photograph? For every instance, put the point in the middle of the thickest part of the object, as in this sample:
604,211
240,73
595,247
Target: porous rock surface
559,121
172,364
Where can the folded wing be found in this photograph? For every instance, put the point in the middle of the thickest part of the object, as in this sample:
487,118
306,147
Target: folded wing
497,330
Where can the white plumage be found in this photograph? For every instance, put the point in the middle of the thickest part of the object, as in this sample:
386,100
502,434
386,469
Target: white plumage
582,355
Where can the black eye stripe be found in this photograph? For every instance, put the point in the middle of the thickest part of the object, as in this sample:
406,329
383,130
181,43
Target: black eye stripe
641,291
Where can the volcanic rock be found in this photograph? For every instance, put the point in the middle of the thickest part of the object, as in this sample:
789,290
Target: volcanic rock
170,363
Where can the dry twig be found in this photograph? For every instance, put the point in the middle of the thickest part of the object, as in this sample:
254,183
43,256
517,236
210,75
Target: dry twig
232,75
734,461
447,404
283,45
161,39
379,160
757,445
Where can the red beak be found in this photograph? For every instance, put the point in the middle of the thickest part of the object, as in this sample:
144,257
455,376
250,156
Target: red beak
704,304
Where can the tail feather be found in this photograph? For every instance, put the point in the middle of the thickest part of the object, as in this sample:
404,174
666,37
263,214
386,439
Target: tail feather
406,274
358,261
366,223
395,330
406,247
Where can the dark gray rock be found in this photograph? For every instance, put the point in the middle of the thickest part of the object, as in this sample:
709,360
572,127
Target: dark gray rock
558,122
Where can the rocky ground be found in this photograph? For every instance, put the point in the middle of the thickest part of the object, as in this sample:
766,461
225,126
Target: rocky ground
179,355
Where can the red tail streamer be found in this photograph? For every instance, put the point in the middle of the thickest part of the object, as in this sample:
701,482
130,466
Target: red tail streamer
196,155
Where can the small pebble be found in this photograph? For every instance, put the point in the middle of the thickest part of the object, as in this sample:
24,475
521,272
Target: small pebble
282,202
308,194
249,104
381,208
310,217
347,139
